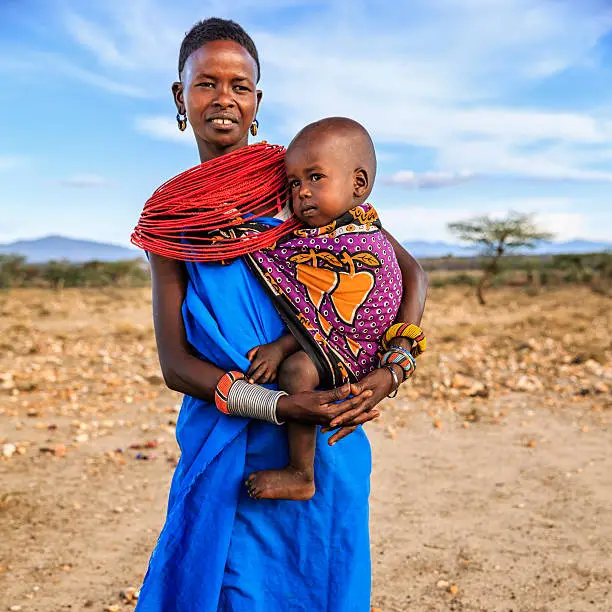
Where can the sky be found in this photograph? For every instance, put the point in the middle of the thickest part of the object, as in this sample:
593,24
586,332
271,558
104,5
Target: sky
475,106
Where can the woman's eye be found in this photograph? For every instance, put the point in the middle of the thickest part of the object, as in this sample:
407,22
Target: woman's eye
241,88
206,84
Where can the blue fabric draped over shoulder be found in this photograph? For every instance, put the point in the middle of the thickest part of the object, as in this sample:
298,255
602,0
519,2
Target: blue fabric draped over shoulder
221,550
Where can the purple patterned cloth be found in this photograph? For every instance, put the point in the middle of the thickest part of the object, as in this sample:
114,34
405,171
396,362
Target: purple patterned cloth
338,287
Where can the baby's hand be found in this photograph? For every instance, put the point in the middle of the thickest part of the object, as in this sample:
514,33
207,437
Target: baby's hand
265,360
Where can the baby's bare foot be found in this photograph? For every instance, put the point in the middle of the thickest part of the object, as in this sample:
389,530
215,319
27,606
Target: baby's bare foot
288,483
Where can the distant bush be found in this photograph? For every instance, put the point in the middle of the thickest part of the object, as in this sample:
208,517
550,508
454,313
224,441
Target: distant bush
530,272
15,272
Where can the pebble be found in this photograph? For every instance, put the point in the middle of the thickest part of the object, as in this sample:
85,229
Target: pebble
8,449
129,595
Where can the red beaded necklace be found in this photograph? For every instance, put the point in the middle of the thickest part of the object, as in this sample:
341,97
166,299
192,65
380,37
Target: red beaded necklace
217,194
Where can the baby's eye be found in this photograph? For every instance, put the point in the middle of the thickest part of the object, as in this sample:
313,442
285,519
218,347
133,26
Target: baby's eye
315,177
293,184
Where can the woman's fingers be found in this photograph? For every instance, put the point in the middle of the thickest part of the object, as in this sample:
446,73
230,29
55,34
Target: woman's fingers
251,354
351,424
349,415
354,405
342,433
348,429
348,405
353,418
370,401
334,395
364,418
358,388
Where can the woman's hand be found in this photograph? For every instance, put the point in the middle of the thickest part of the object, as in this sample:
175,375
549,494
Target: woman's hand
321,407
369,391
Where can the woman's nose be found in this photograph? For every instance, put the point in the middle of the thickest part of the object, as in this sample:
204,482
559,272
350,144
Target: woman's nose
224,97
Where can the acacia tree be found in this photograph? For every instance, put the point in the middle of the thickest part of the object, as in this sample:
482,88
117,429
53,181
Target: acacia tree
496,237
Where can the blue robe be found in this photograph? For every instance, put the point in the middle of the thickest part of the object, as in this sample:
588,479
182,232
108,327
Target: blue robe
221,550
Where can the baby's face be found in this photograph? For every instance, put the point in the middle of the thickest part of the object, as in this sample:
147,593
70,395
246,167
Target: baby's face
320,180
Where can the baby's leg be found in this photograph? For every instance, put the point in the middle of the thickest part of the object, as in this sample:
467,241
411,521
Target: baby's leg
297,373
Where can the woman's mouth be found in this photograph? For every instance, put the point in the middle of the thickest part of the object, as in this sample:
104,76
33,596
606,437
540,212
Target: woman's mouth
223,124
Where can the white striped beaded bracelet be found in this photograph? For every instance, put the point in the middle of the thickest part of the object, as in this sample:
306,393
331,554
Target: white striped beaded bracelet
237,397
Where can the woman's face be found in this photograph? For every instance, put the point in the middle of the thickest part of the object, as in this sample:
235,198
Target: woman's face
218,93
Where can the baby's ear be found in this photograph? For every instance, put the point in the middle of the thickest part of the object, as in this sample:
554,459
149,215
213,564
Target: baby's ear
361,182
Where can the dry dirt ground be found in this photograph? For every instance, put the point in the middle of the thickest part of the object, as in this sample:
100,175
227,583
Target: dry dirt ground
492,484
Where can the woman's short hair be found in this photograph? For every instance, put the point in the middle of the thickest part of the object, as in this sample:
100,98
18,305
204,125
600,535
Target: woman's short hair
209,30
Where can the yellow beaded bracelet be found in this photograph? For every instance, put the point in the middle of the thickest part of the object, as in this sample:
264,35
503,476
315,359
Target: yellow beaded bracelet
406,330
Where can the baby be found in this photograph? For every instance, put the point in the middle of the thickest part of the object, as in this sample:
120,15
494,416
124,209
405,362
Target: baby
345,285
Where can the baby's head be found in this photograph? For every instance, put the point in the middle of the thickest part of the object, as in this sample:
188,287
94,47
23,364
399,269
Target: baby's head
331,166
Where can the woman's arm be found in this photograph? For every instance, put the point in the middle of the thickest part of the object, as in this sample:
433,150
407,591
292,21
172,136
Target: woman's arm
182,371
414,284
193,376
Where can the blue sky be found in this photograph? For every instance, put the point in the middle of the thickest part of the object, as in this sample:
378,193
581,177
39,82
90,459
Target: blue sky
475,106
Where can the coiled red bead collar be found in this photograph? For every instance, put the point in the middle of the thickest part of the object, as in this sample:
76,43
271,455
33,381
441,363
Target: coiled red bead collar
217,195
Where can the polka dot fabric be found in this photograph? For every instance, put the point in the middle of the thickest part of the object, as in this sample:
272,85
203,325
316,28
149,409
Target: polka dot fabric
343,283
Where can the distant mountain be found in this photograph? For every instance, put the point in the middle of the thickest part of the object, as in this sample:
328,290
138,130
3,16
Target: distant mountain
424,250
76,251
573,246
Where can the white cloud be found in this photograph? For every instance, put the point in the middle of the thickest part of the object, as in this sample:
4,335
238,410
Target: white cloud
563,225
84,181
500,158
10,162
443,87
448,76
429,180
103,82
42,64
413,76
556,215
96,39
163,128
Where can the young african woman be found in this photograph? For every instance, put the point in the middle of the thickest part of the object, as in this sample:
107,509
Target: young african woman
220,549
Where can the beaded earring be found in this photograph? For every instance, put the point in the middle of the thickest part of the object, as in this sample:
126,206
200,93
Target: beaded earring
254,127
181,119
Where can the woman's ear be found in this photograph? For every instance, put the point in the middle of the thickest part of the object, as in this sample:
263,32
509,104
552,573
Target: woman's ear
259,95
177,94
361,182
